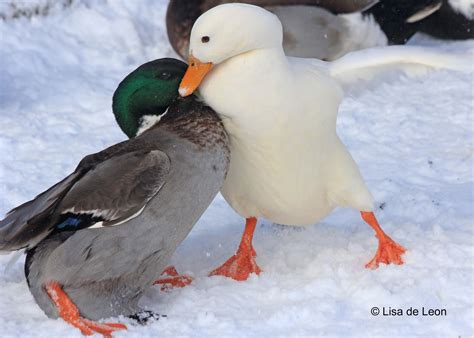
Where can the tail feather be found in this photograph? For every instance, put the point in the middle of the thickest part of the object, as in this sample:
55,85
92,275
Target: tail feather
27,224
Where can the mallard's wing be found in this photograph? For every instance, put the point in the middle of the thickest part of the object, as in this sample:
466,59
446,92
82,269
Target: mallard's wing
28,222
106,189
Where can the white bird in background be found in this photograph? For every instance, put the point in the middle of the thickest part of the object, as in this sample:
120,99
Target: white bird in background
288,164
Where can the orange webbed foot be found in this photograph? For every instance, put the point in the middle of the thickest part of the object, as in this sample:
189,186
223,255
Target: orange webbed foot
171,279
239,266
70,313
105,329
242,264
389,251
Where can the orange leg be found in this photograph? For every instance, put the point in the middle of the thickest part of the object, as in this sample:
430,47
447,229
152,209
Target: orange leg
388,251
173,279
242,264
70,313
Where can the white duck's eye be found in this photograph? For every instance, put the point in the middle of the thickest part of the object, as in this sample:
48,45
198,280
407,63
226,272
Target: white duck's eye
205,39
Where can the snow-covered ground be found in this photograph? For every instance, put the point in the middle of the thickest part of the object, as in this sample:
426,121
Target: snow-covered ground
413,140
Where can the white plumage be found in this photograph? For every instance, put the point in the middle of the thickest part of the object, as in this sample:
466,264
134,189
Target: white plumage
288,164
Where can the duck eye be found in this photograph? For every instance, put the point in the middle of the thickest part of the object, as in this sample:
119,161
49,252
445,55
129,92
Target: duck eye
205,39
164,75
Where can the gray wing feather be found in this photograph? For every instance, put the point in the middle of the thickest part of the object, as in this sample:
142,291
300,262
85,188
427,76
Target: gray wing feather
115,189
27,223
127,182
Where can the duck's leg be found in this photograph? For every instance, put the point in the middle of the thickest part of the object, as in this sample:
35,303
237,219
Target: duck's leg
70,313
388,251
172,279
242,264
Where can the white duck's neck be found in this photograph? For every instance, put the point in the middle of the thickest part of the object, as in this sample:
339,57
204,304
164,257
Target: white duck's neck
263,58
262,78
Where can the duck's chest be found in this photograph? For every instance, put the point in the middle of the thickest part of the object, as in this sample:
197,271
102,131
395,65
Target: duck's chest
196,175
284,184
280,139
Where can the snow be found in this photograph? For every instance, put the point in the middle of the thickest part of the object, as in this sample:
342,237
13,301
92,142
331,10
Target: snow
412,138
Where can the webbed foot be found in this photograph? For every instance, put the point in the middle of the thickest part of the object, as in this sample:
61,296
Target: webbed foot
69,312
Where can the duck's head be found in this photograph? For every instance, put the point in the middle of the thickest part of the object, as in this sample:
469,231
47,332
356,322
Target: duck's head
146,92
226,31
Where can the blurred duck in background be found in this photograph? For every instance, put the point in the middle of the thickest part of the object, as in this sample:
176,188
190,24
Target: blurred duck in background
329,29
453,21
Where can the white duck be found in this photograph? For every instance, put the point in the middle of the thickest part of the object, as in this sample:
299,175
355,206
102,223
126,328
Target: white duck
288,164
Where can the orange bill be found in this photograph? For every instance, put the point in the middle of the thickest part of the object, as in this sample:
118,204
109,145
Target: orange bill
196,72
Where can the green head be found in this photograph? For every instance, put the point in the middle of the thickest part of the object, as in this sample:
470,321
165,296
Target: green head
148,90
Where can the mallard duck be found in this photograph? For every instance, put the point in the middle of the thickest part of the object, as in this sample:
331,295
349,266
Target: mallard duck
99,238
288,164
322,29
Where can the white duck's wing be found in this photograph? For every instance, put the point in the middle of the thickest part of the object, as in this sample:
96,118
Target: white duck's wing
370,63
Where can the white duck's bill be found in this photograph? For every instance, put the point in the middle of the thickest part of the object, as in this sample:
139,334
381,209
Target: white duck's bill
194,75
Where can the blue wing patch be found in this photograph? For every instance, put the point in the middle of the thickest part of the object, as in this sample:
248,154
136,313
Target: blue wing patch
74,222
69,222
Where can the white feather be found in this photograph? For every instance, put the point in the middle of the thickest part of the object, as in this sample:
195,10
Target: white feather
148,121
364,32
104,213
465,7
368,64
97,225
132,216
98,213
424,13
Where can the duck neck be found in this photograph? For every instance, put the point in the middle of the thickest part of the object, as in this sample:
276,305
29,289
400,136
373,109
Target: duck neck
194,121
260,77
275,56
